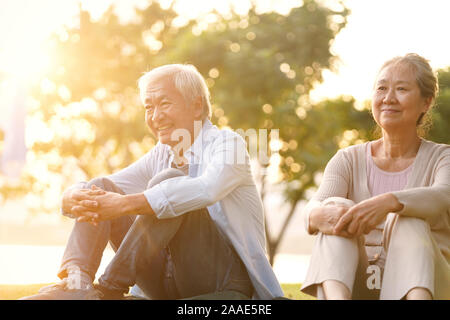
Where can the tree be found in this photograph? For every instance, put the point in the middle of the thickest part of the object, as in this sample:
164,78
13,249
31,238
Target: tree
439,131
260,70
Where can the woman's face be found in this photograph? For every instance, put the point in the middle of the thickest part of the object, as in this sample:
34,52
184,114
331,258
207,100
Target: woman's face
397,102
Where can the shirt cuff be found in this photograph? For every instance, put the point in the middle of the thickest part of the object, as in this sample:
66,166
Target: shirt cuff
402,197
158,201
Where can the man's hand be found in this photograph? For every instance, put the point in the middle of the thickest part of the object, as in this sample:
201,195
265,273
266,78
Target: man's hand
81,203
366,215
325,218
109,205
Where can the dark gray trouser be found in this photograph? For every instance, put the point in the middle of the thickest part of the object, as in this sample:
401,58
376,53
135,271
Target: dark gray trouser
167,258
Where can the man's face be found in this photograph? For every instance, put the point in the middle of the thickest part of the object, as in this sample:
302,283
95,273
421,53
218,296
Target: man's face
166,111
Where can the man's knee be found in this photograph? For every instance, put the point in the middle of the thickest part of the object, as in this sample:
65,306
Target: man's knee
164,175
105,184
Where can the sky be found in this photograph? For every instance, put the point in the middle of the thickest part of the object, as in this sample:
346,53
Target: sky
380,29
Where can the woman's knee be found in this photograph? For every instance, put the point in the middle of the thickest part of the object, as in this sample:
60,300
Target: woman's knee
411,228
412,235
338,201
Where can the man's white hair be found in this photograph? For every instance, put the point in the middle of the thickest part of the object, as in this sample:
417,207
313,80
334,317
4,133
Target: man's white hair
186,79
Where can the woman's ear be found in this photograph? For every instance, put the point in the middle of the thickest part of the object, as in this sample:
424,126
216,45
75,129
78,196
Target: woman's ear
426,107
428,102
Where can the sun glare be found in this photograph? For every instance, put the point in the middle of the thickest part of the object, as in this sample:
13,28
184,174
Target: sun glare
24,28
25,60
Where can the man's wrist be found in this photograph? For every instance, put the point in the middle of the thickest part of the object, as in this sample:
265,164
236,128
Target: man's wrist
134,204
127,206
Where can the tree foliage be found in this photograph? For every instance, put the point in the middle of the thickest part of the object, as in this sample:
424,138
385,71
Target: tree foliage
440,128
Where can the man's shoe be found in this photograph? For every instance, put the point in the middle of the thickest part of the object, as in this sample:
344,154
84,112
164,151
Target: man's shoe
131,297
108,294
60,291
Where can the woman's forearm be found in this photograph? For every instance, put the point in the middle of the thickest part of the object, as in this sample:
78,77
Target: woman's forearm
424,202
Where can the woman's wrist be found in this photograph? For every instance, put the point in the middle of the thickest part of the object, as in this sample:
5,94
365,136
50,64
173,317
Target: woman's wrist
393,203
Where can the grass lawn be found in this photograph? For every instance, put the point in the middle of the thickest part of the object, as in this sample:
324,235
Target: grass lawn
292,291
13,292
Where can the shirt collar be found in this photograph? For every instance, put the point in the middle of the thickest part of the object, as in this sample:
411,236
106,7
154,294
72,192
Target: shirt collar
194,153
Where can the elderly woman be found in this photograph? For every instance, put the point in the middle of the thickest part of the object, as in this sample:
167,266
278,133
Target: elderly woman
382,211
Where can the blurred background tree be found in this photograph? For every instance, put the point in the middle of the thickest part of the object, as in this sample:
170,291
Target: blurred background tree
260,68
439,131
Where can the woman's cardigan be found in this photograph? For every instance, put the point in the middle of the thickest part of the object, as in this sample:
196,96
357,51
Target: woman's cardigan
426,195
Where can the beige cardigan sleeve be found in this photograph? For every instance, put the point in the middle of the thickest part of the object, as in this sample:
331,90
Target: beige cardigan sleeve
335,183
429,202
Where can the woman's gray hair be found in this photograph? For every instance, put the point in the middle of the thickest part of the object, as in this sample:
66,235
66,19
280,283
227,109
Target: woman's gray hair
186,79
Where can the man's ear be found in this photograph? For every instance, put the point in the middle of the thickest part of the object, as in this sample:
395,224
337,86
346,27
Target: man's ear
198,108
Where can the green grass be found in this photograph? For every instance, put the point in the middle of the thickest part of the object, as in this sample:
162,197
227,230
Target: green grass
292,291
13,292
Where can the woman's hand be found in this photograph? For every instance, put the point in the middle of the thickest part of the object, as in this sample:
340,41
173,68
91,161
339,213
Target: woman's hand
366,215
325,218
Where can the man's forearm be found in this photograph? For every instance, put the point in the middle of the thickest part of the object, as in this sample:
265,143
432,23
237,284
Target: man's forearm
135,204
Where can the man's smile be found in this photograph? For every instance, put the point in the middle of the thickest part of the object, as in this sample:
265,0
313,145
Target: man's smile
164,129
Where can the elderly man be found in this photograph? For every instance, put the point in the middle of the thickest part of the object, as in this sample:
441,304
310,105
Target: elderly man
186,220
